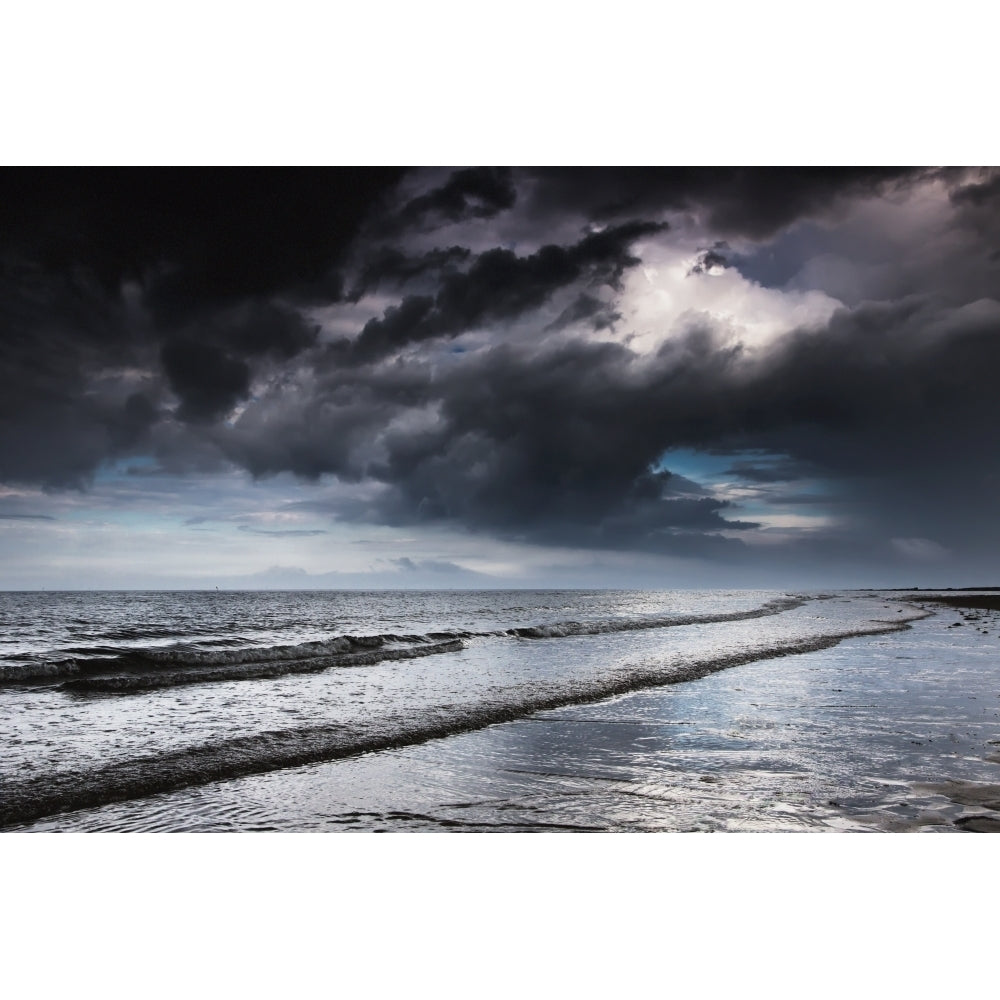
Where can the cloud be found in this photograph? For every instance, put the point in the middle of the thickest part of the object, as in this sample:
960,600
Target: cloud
427,565
745,201
476,193
981,189
554,442
586,308
195,238
501,364
712,260
26,517
208,381
277,532
498,286
494,458
120,289
389,265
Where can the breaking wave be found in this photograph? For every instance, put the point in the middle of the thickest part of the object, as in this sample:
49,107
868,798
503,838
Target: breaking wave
138,668
241,670
116,668
38,670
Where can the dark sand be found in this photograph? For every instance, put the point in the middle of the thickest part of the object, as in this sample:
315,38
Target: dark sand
987,602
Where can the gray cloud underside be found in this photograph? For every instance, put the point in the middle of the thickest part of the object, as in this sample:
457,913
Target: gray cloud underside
557,445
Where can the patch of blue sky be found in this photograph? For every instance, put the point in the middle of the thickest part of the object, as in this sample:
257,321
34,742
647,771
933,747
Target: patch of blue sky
804,498
708,467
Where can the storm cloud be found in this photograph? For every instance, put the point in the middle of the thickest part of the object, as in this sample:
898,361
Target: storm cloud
476,193
736,201
732,365
498,286
558,443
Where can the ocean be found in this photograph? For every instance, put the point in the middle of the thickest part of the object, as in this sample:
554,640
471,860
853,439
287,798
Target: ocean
495,710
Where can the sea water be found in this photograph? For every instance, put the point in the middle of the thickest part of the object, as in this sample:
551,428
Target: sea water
456,710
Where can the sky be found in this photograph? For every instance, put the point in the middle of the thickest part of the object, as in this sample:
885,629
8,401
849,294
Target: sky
499,377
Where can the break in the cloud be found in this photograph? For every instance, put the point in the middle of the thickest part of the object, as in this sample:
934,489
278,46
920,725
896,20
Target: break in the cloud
510,374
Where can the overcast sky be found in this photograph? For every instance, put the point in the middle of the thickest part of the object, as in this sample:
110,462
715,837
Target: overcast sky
499,377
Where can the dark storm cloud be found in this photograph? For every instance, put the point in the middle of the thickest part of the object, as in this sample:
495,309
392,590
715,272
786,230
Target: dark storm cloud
196,238
556,444
131,428
118,287
25,517
554,448
208,381
209,365
260,329
476,193
70,392
746,201
387,265
978,192
164,315
499,285
209,255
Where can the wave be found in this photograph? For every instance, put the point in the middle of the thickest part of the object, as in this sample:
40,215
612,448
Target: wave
129,664
242,670
561,630
38,670
33,798
94,661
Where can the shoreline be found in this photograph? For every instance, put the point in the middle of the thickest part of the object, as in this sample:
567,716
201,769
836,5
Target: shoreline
53,794
867,734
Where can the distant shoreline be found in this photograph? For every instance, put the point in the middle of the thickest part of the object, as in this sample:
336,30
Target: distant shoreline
987,601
